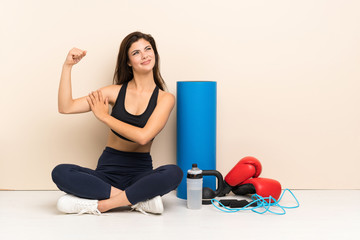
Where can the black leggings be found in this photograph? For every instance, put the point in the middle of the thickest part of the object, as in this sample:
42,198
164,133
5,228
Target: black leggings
129,171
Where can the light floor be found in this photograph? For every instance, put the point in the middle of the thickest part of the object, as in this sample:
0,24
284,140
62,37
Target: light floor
323,214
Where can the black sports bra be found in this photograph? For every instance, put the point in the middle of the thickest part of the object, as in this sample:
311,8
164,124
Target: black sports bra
119,112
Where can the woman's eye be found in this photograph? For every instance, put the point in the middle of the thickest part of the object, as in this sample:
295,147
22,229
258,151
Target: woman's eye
135,53
149,48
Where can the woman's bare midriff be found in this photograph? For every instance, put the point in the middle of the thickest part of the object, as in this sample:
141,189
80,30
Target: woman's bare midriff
126,146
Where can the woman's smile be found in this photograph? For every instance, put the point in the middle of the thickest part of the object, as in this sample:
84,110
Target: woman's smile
146,62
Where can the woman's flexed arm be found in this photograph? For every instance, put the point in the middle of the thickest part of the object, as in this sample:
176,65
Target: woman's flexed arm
66,104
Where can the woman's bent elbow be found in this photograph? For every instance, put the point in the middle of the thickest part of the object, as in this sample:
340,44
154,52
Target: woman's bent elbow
63,110
143,140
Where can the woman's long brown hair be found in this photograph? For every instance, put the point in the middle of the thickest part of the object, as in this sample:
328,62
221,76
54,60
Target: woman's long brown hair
123,72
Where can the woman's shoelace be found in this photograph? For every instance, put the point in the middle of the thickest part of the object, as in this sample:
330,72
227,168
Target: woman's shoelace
92,211
88,207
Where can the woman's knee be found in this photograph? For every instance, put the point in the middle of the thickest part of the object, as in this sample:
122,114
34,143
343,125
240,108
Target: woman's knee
60,172
174,173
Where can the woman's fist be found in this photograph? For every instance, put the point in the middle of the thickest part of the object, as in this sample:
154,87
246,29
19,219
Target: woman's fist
74,56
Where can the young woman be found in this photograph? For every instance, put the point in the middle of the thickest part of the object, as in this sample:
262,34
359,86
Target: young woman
140,109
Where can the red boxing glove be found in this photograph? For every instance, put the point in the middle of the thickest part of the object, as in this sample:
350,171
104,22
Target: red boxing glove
248,167
264,187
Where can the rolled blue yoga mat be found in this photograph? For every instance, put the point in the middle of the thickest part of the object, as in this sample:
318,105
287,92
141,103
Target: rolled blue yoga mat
196,130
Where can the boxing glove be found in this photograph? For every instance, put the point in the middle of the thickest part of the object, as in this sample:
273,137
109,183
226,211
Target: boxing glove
247,167
264,187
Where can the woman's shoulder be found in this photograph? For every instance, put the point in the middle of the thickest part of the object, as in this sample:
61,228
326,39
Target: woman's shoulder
111,92
164,94
113,86
111,89
166,97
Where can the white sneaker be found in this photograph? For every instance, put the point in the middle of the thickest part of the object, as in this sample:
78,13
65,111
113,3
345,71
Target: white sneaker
153,205
71,204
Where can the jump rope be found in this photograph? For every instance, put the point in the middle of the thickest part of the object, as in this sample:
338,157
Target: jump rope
258,203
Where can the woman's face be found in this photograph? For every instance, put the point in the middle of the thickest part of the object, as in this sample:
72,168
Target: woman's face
141,56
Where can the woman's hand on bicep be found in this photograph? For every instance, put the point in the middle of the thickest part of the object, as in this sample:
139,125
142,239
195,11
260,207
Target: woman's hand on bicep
98,104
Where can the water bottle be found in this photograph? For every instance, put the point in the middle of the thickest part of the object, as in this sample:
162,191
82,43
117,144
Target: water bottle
194,182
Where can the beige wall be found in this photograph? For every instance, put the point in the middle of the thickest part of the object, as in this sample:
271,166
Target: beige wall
287,71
